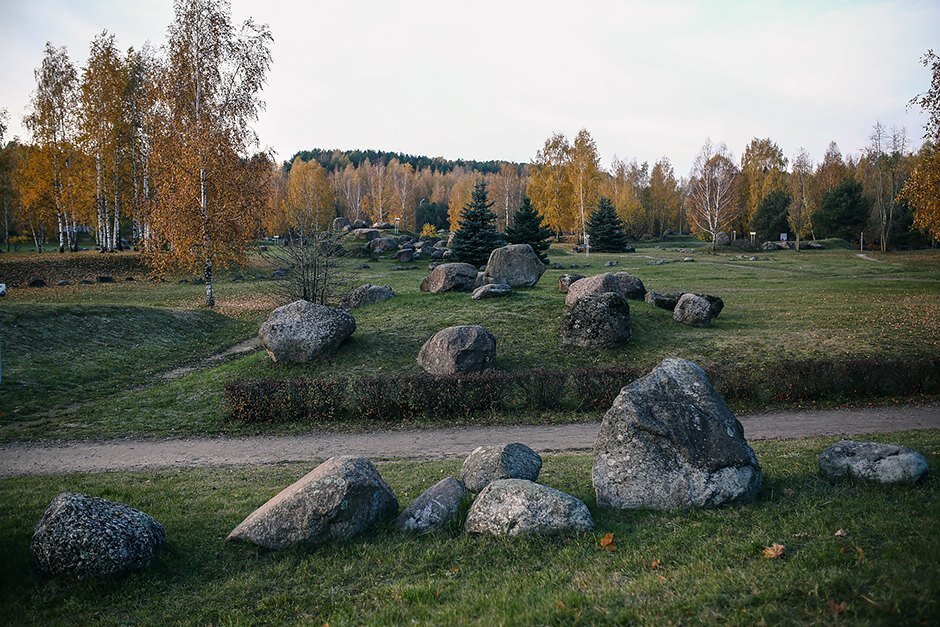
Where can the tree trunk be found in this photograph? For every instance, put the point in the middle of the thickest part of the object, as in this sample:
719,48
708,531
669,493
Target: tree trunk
206,240
797,241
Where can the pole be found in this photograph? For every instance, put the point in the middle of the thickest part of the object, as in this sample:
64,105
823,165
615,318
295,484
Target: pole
861,241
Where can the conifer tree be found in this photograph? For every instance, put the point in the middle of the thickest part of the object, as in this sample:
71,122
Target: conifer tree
606,229
477,236
527,228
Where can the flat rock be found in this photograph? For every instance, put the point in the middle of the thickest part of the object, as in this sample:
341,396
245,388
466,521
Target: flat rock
458,350
873,462
669,441
450,277
436,507
596,321
83,536
500,461
491,290
516,265
512,507
341,498
367,294
302,331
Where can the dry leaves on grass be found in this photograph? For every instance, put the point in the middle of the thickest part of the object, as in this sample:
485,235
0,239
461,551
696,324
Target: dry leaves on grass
837,608
655,564
773,551
608,542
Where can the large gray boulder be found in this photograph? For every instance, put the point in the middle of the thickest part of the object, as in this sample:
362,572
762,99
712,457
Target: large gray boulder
450,277
364,234
631,287
873,462
437,506
340,223
367,294
565,281
458,350
302,331
382,245
338,500
500,461
517,265
592,286
669,441
722,239
663,301
512,507
491,290
693,310
596,321
82,536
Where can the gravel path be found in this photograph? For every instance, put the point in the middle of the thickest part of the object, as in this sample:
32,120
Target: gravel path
43,459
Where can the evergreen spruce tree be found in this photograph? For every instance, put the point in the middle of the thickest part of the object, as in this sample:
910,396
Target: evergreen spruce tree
476,235
606,229
527,229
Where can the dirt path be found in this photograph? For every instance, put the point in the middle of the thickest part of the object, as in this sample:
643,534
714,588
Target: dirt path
31,459
242,348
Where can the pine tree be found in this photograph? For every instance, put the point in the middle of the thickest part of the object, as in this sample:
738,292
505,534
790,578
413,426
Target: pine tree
606,229
527,229
477,236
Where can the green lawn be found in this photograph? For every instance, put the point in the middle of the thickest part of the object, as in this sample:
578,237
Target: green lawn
80,361
710,568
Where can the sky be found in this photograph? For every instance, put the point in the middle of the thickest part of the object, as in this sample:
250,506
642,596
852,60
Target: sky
494,79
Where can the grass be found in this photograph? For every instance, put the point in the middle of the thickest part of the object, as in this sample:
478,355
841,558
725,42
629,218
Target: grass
784,305
709,570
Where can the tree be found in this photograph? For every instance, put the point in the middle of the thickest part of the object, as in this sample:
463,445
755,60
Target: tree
507,189
665,197
477,236
527,228
922,189
460,195
844,211
628,189
883,170
585,175
771,218
550,186
800,211
209,93
712,202
402,179
606,228
763,170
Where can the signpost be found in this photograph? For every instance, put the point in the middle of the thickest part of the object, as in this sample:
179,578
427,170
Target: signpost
587,245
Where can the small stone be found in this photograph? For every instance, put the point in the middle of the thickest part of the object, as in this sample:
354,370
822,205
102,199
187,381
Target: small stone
491,290
436,507
873,462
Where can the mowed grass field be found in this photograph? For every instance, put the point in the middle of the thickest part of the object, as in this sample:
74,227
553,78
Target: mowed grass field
86,360
668,567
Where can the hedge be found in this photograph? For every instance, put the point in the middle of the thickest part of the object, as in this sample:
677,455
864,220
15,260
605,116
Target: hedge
408,396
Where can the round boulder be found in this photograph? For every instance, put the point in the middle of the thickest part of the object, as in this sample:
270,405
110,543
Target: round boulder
512,507
450,277
302,331
517,265
722,239
592,286
596,321
338,500
873,462
367,294
437,506
693,310
491,290
83,536
502,461
565,281
631,287
663,301
458,350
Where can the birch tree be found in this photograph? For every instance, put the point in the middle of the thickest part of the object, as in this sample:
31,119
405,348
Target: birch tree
550,186
210,98
585,174
712,203
801,208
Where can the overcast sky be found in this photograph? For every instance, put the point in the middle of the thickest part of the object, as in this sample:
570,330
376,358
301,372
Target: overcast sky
492,80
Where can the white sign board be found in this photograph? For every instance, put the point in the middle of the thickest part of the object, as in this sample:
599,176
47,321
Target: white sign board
783,237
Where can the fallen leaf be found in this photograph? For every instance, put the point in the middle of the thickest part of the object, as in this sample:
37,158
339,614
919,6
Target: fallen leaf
773,551
655,564
559,605
789,491
662,579
841,533
608,542
836,608
860,554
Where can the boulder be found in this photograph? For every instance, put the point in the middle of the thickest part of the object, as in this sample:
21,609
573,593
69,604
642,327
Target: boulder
491,290
382,245
340,223
406,255
812,246
82,536
715,303
341,498
365,234
367,294
596,321
458,350
592,286
501,461
517,265
611,264
480,280
663,301
437,254
359,224
631,287
767,246
512,507
383,225
447,254
437,506
669,441
36,283
629,249
565,281
693,310
722,239
63,282
873,462
302,331
450,277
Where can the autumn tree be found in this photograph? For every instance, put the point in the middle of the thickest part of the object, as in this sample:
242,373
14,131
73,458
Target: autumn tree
477,236
209,92
507,190
376,175
628,187
922,189
800,210
665,197
763,170
550,186
401,176
585,175
460,196
712,202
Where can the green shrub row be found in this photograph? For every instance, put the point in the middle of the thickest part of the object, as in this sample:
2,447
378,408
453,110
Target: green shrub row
410,396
